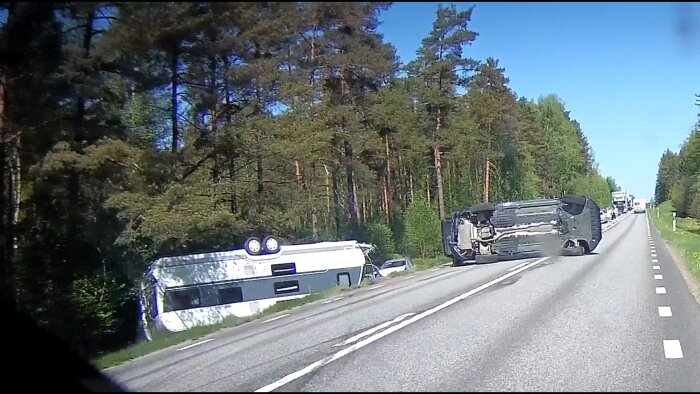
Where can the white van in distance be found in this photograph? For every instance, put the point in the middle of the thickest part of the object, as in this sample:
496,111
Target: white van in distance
639,205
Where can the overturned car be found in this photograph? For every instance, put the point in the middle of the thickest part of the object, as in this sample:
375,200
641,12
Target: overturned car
488,232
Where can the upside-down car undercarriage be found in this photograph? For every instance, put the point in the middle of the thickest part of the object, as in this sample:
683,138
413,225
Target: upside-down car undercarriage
543,227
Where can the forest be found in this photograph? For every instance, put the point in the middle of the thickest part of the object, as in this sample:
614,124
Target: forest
130,131
678,177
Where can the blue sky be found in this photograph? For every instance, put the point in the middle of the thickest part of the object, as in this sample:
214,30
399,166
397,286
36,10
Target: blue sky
622,69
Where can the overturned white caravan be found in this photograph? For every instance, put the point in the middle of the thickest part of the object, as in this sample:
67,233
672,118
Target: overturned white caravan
182,292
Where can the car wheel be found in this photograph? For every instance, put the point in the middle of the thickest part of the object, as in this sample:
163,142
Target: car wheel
253,246
270,244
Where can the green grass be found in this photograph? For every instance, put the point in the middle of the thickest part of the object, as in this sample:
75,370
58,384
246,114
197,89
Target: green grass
167,340
686,239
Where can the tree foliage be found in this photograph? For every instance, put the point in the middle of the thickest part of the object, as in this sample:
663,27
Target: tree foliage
678,177
135,130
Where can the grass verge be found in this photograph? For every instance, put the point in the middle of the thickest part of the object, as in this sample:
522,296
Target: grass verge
685,240
167,340
144,348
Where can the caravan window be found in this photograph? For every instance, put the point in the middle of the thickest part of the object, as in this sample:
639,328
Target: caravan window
229,295
176,300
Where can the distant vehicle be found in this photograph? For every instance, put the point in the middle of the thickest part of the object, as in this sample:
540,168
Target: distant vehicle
603,215
181,292
639,205
395,265
489,232
620,201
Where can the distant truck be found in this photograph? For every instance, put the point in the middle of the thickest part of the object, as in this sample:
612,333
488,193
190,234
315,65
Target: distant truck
639,205
620,201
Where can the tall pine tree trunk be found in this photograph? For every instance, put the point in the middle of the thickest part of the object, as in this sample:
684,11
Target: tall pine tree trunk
387,189
437,156
174,83
352,197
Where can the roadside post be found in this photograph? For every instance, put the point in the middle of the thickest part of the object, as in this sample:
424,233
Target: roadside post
674,221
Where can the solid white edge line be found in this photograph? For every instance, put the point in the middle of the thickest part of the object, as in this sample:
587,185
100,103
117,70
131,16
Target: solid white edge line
434,269
196,344
665,311
374,329
275,318
658,276
376,287
672,348
409,277
516,267
295,375
660,290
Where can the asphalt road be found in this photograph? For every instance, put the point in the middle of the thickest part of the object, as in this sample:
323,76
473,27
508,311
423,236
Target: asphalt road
591,323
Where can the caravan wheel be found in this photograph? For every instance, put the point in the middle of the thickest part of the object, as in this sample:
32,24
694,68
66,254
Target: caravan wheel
253,246
270,244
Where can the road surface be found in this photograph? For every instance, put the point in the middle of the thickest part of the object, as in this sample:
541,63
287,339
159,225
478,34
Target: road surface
619,319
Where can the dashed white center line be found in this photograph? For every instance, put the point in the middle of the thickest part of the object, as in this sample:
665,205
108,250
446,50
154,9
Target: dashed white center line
275,318
196,344
672,348
653,250
376,287
655,261
654,255
516,267
660,290
658,276
665,311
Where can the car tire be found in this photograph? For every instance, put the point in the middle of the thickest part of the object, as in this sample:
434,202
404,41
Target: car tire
253,246
483,207
276,245
574,251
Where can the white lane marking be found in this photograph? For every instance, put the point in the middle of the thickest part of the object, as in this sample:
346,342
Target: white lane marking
656,267
654,255
658,277
516,267
376,286
409,277
434,269
373,330
275,318
332,300
392,329
196,344
654,260
665,311
660,290
672,348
